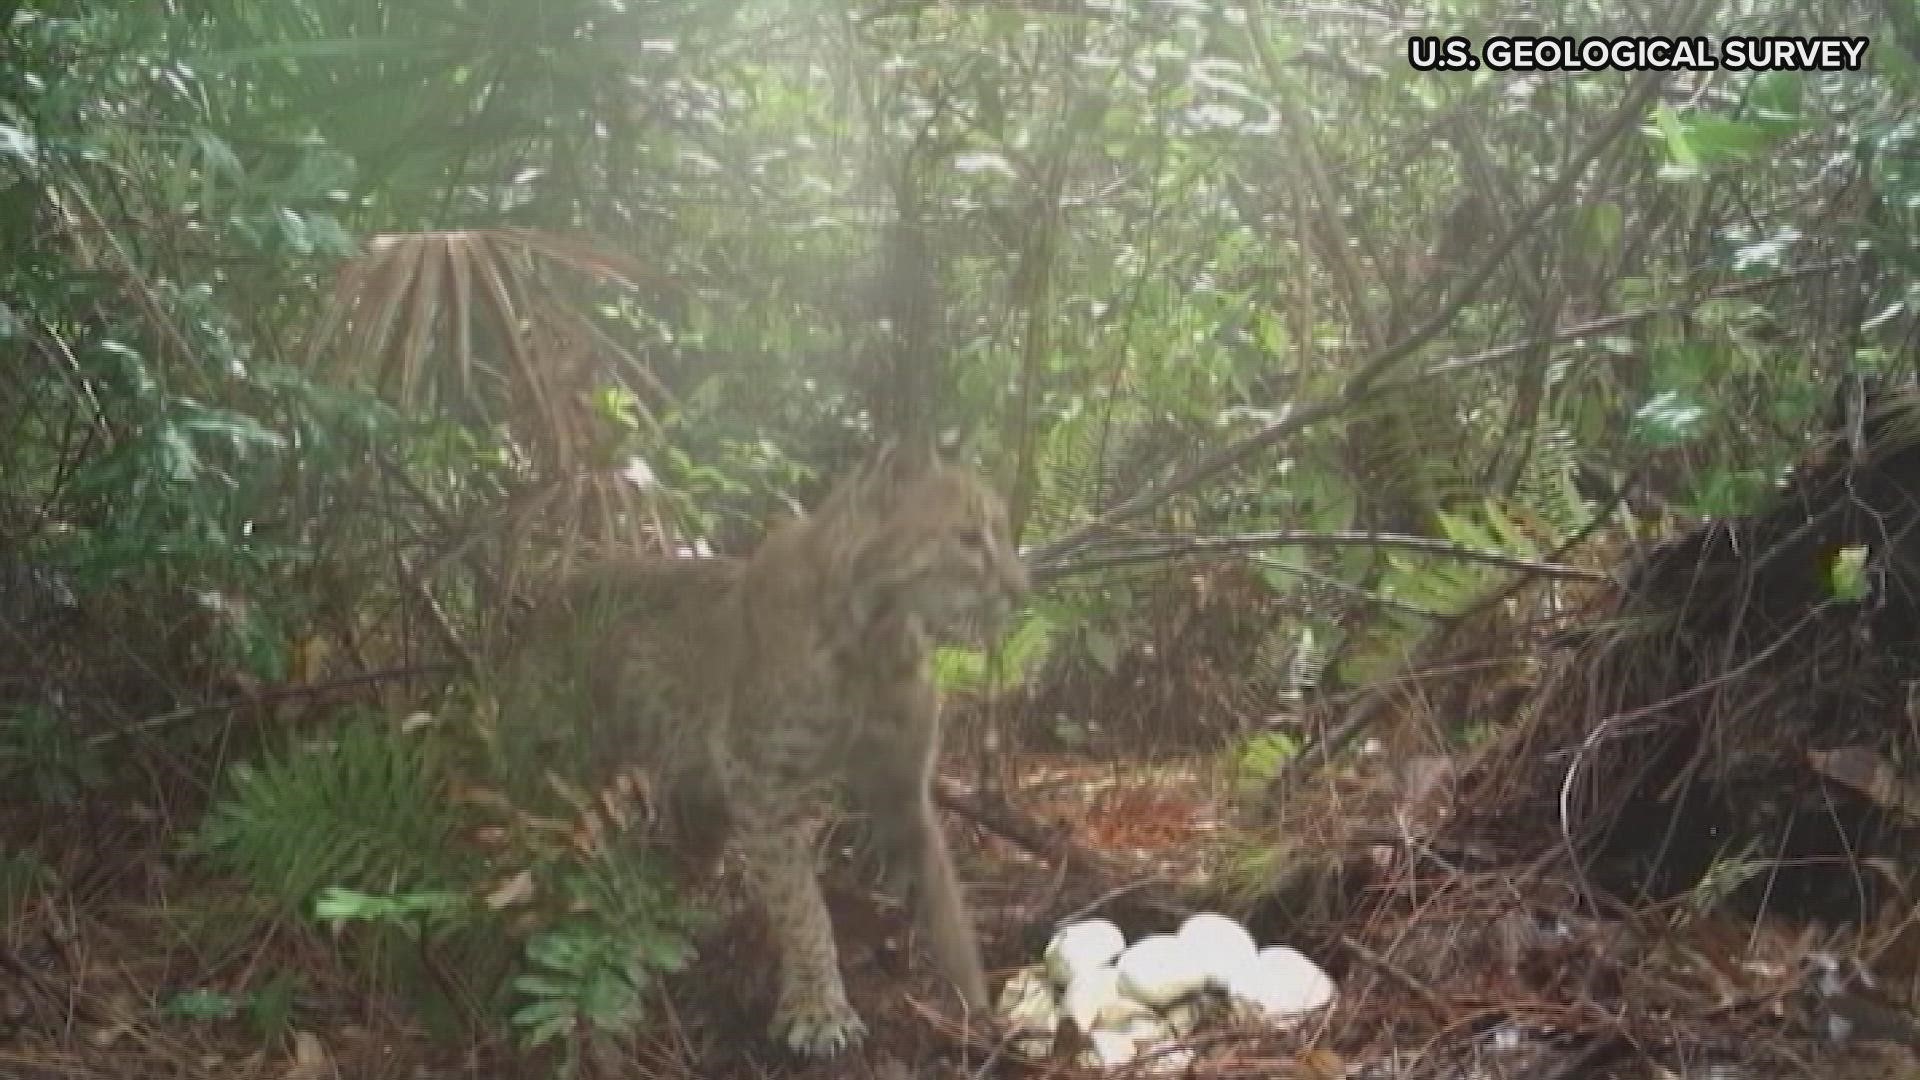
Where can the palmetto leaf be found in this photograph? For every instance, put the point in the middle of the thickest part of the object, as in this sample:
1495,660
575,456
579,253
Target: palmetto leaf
475,322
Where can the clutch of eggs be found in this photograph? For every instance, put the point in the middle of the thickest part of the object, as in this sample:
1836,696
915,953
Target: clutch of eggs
1131,1000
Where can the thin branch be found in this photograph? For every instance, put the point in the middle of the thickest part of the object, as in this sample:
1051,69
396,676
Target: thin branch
279,693
1151,548
1356,593
1610,322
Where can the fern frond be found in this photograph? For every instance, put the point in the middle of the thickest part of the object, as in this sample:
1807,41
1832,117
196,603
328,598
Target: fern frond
1068,471
364,811
1545,487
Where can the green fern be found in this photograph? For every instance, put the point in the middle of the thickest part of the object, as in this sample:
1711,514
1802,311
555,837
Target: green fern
1067,469
1288,660
592,970
1256,759
1424,587
1020,653
44,756
1085,460
1545,486
363,811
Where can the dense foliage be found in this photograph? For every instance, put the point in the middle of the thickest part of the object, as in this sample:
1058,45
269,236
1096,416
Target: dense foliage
323,322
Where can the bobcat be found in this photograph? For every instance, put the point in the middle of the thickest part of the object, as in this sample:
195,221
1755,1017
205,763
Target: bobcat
754,686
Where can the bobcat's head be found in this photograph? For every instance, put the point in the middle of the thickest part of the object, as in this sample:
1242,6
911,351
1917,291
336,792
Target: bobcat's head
927,543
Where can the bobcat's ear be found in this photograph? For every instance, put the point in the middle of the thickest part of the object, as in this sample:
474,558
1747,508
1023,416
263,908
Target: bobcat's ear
898,462
902,459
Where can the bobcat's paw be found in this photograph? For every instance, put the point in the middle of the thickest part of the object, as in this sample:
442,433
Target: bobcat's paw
819,1028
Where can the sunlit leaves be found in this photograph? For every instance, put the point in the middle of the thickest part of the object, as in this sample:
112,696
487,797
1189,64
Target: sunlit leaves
18,145
1767,254
1669,418
217,158
1698,141
984,162
1775,97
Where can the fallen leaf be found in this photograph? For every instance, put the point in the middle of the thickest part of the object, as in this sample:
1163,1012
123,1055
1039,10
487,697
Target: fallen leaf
515,890
310,1059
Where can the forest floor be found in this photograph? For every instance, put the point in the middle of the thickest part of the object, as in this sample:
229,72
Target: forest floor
1442,972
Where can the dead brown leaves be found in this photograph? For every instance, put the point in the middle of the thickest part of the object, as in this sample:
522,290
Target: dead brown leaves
480,322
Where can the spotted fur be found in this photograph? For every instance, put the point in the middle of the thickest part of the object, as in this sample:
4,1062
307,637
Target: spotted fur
761,685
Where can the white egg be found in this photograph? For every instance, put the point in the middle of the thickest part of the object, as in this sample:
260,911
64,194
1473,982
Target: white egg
1141,1025
1108,1049
1120,1040
1160,969
1093,998
1280,985
1223,944
1083,946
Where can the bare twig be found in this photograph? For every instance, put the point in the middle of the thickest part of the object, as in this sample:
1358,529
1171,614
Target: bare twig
1619,320
279,693
1152,548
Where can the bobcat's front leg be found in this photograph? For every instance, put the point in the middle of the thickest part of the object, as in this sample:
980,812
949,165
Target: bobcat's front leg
775,840
890,780
922,869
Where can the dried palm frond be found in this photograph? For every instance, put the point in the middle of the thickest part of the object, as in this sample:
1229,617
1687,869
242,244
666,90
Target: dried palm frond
472,321
575,520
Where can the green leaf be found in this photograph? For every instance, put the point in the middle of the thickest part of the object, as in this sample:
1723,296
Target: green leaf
1599,226
1669,419
327,235
540,986
1680,152
318,827
619,406
293,230
984,162
1103,648
346,48
1699,142
178,460
201,1005
1263,755
1717,140
242,433
1775,98
555,949
270,1008
666,953
1768,254
19,146
544,1011
1689,365
1847,577
217,157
